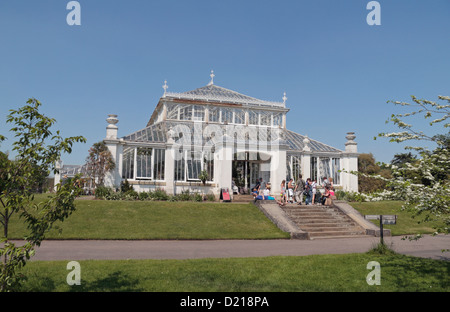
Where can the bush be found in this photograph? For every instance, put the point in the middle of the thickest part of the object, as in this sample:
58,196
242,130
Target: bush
126,187
210,197
144,195
349,196
184,196
115,196
131,195
103,192
159,194
197,197
107,193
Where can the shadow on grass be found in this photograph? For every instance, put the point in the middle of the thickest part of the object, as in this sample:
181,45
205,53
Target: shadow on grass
420,274
413,273
114,282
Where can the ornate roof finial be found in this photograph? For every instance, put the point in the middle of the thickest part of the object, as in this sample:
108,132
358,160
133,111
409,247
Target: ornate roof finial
212,78
165,86
284,98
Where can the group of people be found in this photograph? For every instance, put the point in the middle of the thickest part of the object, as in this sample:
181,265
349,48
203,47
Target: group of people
294,192
262,191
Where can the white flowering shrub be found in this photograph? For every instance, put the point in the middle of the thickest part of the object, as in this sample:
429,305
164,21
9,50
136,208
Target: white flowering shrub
423,182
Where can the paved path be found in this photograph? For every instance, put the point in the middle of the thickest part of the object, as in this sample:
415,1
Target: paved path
428,247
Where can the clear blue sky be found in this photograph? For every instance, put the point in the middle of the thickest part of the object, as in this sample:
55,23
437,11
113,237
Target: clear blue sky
338,72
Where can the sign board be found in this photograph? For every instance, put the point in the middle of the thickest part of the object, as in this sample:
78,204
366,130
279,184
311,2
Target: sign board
386,219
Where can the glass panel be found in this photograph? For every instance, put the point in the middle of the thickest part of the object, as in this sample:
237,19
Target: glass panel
324,169
208,161
172,111
266,118
214,114
253,118
186,113
254,174
144,163
296,167
199,113
313,173
288,168
194,166
227,115
179,166
158,169
128,163
277,119
239,116
336,167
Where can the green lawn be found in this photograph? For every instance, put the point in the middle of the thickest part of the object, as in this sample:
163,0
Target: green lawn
406,224
98,219
102,219
319,273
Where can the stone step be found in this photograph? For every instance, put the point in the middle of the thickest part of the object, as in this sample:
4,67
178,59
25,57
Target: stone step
300,210
242,198
323,221
315,234
338,236
315,213
318,218
307,211
326,225
329,229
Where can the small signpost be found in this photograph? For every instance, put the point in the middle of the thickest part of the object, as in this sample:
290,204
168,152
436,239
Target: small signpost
384,219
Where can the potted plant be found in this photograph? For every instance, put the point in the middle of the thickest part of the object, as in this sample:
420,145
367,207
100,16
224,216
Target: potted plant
203,176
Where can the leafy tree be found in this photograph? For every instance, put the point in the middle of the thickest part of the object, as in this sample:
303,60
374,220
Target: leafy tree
423,182
99,162
368,166
402,159
37,150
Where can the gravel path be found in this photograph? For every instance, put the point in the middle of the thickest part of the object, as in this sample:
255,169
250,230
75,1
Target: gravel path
428,247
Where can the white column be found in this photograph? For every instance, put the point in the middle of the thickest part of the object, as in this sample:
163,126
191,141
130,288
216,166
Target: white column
277,170
350,163
169,163
113,178
225,158
169,170
57,178
306,159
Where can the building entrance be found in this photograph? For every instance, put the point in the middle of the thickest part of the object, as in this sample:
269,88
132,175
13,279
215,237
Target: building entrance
248,168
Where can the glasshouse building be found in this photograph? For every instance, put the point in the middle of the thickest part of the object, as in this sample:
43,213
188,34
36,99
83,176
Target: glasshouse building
213,138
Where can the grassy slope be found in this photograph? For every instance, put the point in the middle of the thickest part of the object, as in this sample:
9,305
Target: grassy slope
99,219
406,224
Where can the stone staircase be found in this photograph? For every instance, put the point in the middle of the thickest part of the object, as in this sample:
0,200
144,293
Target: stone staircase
323,221
240,198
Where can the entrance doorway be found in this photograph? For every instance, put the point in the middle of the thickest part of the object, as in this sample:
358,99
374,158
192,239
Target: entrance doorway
247,168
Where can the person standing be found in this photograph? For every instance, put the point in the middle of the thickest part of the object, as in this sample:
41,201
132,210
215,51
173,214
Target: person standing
299,188
290,192
314,190
308,192
283,193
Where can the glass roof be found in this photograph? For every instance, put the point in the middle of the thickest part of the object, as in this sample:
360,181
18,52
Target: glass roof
219,94
202,133
295,142
72,170
153,133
